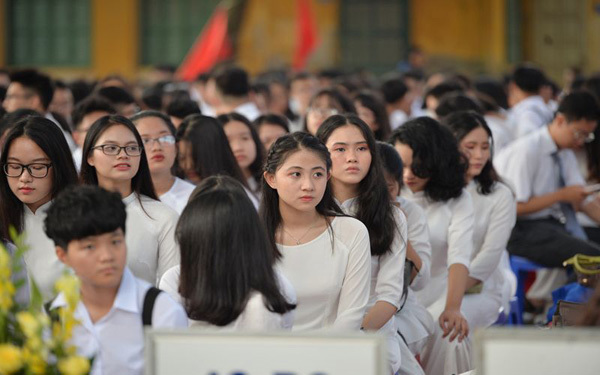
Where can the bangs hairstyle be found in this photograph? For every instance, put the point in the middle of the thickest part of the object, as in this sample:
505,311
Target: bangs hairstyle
374,104
141,183
435,156
462,123
257,165
391,161
374,205
84,211
47,136
225,255
278,154
211,153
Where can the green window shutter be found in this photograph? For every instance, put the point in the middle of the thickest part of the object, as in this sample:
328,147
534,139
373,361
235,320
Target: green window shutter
48,32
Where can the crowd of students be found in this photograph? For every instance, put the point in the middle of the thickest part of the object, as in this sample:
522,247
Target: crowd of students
304,202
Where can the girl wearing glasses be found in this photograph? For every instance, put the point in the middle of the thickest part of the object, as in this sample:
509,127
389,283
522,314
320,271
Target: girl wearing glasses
325,103
37,165
158,134
113,158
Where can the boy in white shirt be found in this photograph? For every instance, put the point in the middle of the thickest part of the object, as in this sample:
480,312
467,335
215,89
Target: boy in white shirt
87,225
543,171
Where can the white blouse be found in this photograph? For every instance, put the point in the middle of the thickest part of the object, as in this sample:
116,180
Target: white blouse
495,217
150,237
41,261
331,276
450,226
255,317
418,235
387,270
178,195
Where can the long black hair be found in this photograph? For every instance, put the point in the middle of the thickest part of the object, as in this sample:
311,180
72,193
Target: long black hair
435,156
278,153
51,140
391,161
374,206
372,102
462,123
256,167
210,149
225,254
141,183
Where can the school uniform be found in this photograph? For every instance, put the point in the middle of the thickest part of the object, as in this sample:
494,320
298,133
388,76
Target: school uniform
534,166
590,226
117,340
66,134
255,317
387,272
501,135
450,227
178,195
150,237
42,264
529,115
248,110
331,275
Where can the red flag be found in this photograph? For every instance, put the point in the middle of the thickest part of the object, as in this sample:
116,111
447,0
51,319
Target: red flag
211,47
306,34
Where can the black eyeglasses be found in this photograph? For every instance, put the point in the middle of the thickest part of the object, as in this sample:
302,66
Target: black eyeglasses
114,150
165,139
37,170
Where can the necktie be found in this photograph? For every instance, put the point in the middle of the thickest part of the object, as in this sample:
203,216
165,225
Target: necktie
571,224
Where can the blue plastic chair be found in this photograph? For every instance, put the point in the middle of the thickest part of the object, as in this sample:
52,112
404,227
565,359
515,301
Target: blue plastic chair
512,317
521,267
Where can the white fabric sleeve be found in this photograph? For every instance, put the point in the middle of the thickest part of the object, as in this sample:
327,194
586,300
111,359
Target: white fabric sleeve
502,220
167,313
354,294
460,230
528,122
418,235
169,282
390,278
168,250
289,293
571,169
519,174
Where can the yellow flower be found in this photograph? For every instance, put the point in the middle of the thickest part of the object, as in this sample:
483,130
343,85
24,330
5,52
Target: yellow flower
69,286
36,361
74,365
11,359
28,323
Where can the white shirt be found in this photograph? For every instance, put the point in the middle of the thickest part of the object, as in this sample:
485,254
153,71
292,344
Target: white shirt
77,155
529,115
42,264
150,238
450,226
68,137
331,283
495,217
500,133
117,339
418,235
528,166
178,195
255,317
248,110
387,270
397,118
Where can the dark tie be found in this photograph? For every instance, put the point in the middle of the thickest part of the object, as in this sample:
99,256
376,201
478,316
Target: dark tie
571,223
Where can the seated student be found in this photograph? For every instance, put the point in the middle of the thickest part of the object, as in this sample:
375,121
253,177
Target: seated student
233,89
62,101
121,99
87,225
528,111
158,134
270,127
371,109
84,115
549,188
180,109
398,101
325,103
223,244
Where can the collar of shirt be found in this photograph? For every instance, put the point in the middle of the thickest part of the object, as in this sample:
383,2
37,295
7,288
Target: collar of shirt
348,204
547,144
128,199
41,209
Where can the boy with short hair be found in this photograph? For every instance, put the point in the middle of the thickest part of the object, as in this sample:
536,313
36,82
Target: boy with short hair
87,225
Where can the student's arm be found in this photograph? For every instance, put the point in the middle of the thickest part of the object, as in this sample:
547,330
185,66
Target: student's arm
412,255
390,278
168,250
451,320
502,220
354,294
573,194
418,235
592,209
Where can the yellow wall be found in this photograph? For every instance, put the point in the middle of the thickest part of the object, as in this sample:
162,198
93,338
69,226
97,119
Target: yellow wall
2,33
593,36
467,30
266,38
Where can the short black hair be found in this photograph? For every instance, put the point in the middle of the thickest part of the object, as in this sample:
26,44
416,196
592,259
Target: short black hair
40,83
89,105
390,160
232,81
183,108
442,89
493,89
528,78
11,118
455,102
83,211
579,105
116,95
272,119
393,90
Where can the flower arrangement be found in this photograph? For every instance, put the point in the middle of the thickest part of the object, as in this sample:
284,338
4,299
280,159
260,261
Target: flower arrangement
31,342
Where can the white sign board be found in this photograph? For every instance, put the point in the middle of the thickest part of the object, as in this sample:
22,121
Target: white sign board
200,352
526,351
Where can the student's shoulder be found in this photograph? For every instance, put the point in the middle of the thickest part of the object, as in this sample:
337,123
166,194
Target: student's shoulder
166,312
349,231
153,206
